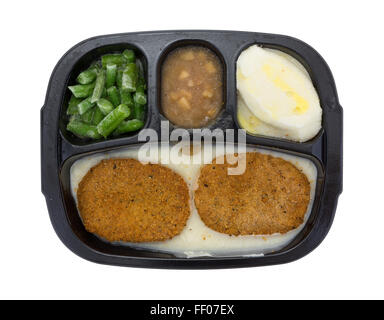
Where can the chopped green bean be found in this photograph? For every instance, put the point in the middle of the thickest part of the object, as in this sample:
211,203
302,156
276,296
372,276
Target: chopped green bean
82,90
128,126
87,76
139,97
112,120
141,82
105,106
126,97
87,117
139,111
111,75
113,95
72,105
119,77
97,116
104,94
129,78
115,58
83,130
117,85
75,117
129,55
99,86
85,105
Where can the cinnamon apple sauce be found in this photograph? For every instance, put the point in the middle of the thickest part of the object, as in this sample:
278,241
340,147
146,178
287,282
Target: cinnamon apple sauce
191,86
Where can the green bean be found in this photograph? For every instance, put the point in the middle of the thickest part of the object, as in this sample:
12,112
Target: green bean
83,130
113,95
129,78
115,58
88,116
139,111
126,97
104,94
139,97
119,77
87,76
99,86
128,126
82,90
105,106
75,117
72,106
141,82
97,116
117,85
113,119
111,75
85,105
129,55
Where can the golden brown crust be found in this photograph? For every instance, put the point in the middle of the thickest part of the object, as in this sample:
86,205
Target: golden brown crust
271,196
124,200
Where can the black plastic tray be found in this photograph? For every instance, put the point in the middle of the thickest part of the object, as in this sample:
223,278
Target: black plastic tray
60,149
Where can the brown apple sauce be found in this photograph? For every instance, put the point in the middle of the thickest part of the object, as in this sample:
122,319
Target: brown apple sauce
191,87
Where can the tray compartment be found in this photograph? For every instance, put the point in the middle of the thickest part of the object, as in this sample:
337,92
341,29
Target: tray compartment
307,146
82,64
223,117
95,243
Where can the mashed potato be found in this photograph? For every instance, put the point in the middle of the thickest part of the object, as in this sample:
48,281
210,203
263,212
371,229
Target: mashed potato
197,239
276,96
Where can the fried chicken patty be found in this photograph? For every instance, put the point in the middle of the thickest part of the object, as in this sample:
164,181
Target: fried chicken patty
124,200
271,196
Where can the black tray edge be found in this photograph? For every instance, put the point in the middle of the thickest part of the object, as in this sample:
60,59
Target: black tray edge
333,181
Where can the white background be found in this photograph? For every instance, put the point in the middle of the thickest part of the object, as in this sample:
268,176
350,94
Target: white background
33,261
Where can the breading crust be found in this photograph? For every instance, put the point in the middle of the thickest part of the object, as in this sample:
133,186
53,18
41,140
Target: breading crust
124,200
271,196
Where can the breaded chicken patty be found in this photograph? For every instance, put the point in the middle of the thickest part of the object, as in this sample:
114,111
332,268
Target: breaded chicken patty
124,200
271,196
